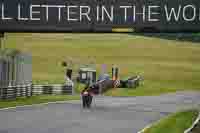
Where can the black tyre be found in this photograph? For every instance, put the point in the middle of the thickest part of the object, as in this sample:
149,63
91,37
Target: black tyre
89,101
84,101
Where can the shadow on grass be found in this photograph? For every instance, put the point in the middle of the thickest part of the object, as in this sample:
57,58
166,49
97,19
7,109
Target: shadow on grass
191,37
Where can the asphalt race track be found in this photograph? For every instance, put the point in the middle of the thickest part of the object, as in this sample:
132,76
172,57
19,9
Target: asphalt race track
107,115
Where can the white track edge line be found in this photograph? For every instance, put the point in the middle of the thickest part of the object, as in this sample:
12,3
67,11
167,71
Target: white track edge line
8,108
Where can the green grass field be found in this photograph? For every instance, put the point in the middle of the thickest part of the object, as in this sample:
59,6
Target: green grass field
175,123
166,65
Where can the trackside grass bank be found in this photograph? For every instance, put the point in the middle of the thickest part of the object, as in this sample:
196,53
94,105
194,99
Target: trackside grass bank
166,65
175,123
36,100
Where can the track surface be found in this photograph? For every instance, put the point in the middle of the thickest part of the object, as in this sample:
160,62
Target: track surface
107,115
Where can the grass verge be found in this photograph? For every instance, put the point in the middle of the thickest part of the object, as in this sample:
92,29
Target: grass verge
175,123
36,100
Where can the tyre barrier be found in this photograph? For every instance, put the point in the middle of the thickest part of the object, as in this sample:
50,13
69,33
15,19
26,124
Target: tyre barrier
52,89
12,92
28,90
